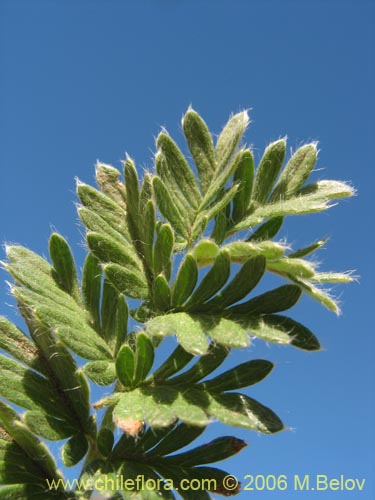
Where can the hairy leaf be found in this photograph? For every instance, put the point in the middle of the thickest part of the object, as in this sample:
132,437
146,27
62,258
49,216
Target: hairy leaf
179,169
130,283
64,270
201,147
160,406
144,357
163,251
169,209
230,137
214,451
100,372
242,283
185,281
125,366
18,345
162,293
243,375
212,282
244,175
296,172
74,450
268,170
279,299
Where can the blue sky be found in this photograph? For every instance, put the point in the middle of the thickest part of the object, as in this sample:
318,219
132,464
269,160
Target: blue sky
87,80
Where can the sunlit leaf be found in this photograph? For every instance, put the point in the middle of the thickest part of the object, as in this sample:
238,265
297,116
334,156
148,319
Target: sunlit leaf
201,147
230,137
296,172
268,170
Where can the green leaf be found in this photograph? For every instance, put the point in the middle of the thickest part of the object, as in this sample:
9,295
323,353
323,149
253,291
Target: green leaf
185,281
268,170
212,282
219,231
28,389
219,181
326,190
11,473
179,169
169,180
74,450
201,147
108,250
104,207
244,281
302,252
114,314
105,441
127,282
145,194
48,426
241,251
316,293
144,357
313,198
91,286
224,331
149,221
53,307
97,224
332,277
177,438
71,328
296,172
203,367
132,195
100,372
279,299
82,343
280,330
32,447
189,331
64,270
230,137
162,294
214,451
268,230
125,366
241,411
63,368
27,269
169,209
243,375
220,203
173,364
160,406
18,345
292,266
163,251
244,175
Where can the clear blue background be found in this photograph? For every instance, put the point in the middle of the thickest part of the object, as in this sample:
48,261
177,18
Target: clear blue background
88,80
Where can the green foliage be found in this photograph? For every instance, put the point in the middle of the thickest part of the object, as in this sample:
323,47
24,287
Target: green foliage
188,245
